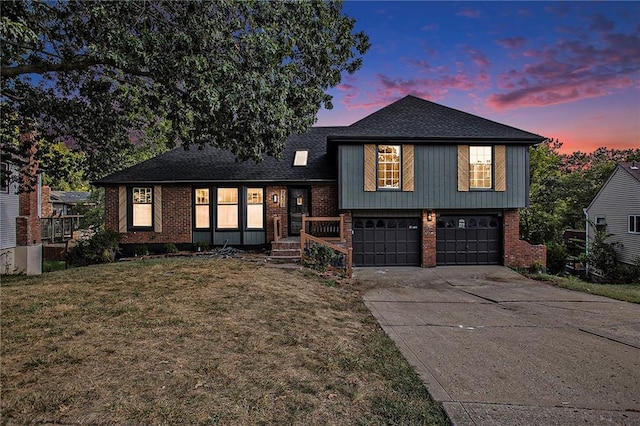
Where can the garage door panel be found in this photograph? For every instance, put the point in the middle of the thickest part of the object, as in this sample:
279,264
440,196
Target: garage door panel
386,241
468,239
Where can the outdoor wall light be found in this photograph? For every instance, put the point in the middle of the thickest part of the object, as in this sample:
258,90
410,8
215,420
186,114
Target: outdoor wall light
429,216
275,198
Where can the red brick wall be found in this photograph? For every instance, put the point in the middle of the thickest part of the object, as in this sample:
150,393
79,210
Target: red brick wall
324,200
428,240
518,253
28,223
276,209
176,217
111,208
47,206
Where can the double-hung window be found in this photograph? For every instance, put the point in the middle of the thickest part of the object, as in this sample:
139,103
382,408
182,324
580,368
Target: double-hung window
255,208
389,166
202,218
480,167
227,208
634,224
142,200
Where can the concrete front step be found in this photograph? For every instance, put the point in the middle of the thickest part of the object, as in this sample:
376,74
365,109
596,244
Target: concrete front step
285,253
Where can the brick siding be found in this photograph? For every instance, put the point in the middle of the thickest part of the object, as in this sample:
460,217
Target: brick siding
276,209
428,240
519,253
176,217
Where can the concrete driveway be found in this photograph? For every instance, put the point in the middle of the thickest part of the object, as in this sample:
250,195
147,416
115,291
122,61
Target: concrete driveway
498,349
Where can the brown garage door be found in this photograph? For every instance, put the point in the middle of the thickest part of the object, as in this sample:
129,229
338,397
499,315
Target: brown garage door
386,242
468,240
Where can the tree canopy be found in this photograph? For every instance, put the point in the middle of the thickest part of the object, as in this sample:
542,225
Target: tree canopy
562,185
106,77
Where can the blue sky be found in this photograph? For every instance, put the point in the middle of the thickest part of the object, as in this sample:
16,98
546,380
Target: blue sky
566,70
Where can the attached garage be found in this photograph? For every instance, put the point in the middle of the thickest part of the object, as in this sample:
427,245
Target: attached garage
468,240
386,242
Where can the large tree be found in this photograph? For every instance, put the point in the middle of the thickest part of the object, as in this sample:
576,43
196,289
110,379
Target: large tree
239,75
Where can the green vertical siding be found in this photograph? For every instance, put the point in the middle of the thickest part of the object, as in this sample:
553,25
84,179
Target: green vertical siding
435,182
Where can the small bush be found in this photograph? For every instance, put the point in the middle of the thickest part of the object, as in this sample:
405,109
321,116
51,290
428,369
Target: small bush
556,258
319,257
202,246
141,250
102,247
603,257
170,248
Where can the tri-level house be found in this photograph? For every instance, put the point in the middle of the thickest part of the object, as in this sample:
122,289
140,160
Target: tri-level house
415,183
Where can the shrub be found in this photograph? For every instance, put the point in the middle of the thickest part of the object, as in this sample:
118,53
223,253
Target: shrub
141,250
319,257
202,246
603,257
170,248
102,247
556,258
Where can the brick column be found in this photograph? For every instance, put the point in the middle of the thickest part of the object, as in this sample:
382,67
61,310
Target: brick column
428,239
348,228
273,209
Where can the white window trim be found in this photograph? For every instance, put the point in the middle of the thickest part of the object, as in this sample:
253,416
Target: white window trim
491,165
378,163
637,230
301,157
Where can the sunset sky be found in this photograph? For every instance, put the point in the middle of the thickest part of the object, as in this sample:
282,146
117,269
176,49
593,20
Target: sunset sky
565,70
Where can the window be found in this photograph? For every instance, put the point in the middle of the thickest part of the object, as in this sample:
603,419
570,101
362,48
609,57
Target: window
142,207
634,224
228,208
601,223
389,166
480,167
4,178
255,208
301,158
202,208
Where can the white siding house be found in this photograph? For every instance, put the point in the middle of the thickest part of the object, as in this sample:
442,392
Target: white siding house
9,210
617,206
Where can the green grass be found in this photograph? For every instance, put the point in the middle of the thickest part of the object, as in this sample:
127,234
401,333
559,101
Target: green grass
625,292
53,265
199,341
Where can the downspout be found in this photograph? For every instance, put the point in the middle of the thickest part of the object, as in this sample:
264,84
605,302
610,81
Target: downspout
586,239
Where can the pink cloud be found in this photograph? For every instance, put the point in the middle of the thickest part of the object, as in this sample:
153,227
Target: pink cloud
570,71
511,42
469,13
387,89
478,58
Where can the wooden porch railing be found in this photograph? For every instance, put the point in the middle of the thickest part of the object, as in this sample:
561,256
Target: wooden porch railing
277,228
327,228
346,263
323,230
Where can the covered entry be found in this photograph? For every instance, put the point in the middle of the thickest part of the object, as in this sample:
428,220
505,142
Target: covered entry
468,240
386,242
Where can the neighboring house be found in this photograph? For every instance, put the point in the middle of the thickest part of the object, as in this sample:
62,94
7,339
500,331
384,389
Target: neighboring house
616,209
20,241
64,203
418,184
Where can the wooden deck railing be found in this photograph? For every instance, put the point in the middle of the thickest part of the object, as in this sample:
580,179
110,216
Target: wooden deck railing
60,228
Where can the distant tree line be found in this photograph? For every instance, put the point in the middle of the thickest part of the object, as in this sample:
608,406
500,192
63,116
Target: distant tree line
564,184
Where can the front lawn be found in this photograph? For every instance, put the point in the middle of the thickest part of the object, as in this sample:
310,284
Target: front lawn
625,292
198,341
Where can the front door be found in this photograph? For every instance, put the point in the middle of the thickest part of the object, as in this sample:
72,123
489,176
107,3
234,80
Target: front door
298,205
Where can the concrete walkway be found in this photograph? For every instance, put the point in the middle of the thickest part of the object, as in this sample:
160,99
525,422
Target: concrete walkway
498,349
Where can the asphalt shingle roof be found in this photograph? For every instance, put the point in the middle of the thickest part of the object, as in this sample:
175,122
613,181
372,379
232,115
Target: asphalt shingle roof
409,118
412,117
217,165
